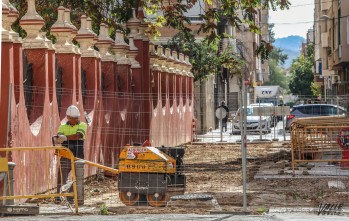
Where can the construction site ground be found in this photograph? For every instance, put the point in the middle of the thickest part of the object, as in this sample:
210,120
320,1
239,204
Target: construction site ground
216,170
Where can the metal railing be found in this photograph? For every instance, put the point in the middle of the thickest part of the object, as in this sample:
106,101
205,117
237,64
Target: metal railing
39,164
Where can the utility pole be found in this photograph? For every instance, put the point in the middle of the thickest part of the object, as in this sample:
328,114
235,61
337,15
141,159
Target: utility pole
226,91
243,114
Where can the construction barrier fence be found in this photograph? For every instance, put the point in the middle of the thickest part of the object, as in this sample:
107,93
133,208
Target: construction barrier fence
321,140
35,166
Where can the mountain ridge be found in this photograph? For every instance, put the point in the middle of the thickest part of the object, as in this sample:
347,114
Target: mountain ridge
290,46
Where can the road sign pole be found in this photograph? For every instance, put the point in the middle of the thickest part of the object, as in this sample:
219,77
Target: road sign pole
243,144
260,121
275,123
221,121
283,126
220,114
275,119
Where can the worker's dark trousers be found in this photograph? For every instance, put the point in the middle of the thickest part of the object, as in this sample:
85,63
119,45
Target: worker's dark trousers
224,124
62,176
65,168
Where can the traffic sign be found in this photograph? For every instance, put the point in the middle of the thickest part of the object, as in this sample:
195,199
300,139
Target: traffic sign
221,113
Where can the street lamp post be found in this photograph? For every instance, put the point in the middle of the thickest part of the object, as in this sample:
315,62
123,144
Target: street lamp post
325,89
283,121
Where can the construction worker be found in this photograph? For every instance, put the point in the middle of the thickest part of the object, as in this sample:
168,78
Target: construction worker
70,135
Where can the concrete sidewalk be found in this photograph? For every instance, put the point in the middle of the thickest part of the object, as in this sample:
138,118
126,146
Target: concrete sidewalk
185,217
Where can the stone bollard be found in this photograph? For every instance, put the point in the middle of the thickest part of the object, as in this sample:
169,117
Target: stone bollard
10,192
79,173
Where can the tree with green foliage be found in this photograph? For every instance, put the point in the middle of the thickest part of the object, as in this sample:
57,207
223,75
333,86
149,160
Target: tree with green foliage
302,73
316,89
278,56
205,57
277,75
116,12
276,59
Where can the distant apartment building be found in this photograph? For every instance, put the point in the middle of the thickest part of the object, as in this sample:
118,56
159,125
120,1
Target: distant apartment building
331,30
309,40
194,16
247,43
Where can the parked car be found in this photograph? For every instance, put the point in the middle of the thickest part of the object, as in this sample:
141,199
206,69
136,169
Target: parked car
254,123
313,110
272,119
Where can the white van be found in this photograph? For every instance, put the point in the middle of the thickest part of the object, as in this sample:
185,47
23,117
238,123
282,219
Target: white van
268,94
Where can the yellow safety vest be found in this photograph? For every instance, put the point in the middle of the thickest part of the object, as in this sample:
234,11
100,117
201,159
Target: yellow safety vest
67,129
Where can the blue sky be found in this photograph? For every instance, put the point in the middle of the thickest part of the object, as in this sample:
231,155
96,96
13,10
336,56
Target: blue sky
295,21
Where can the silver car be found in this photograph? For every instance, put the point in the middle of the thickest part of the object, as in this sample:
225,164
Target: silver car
254,123
313,110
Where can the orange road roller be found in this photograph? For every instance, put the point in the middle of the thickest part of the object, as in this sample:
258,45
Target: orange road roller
150,174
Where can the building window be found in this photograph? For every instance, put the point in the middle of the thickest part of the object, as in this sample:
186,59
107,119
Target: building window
194,13
195,19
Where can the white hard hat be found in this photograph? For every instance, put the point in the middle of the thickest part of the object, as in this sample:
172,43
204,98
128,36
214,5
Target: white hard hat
73,111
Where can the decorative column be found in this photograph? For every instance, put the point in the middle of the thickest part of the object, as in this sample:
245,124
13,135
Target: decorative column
181,74
89,62
66,60
62,30
187,69
156,108
174,115
32,23
73,31
136,82
109,145
164,71
104,43
184,83
10,15
51,68
178,87
133,25
154,77
171,117
181,69
91,85
162,131
123,69
123,85
36,51
142,42
8,19
6,74
189,116
119,48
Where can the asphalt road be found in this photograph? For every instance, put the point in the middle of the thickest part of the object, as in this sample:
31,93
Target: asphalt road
215,135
